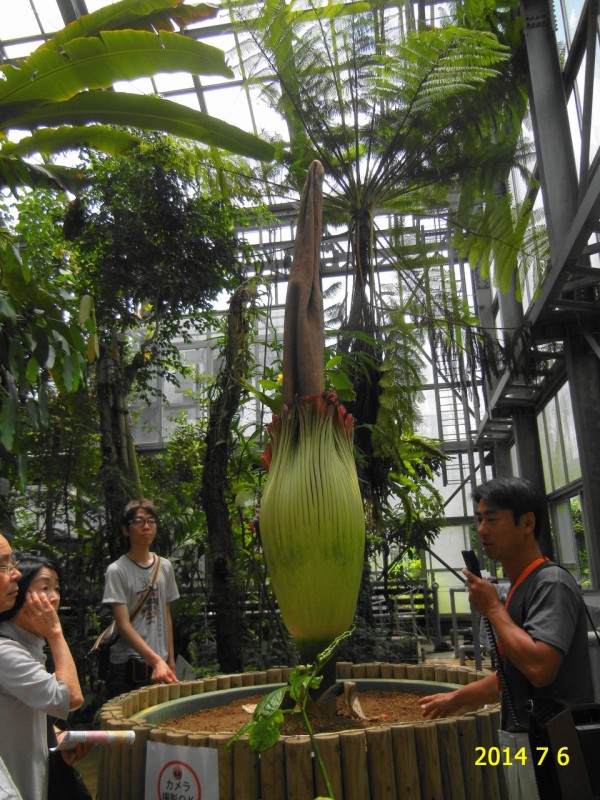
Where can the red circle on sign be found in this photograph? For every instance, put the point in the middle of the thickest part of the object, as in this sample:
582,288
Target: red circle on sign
176,766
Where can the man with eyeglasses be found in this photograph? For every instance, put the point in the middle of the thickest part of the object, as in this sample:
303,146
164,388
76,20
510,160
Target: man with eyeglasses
9,588
9,575
144,653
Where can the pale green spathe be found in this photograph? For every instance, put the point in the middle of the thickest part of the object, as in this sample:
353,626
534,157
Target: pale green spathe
312,522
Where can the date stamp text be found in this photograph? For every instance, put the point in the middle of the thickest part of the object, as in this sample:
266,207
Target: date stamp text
496,756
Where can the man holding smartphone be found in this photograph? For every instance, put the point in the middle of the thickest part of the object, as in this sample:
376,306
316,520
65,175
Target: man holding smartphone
541,630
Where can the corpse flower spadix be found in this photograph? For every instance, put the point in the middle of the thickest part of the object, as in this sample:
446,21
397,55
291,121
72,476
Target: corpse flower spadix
311,518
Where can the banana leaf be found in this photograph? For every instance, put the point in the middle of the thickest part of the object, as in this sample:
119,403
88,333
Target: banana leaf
16,173
97,62
147,113
48,141
143,14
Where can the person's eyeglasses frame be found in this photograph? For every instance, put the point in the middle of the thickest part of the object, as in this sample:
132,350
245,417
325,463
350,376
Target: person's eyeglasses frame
141,522
12,566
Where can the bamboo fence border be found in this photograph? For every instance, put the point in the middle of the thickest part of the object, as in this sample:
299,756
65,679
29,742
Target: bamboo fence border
404,761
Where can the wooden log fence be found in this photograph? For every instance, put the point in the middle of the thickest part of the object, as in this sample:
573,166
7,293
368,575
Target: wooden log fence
429,760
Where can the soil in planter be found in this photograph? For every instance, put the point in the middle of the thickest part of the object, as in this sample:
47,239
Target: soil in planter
381,708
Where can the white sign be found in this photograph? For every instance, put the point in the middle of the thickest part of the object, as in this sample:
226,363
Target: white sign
184,670
175,772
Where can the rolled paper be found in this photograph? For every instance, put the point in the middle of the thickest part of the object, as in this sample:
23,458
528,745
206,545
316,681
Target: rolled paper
72,738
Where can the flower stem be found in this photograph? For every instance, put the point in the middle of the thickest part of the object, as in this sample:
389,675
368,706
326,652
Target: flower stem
315,748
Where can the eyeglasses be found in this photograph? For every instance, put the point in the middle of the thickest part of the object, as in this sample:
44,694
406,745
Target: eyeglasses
12,566
141,521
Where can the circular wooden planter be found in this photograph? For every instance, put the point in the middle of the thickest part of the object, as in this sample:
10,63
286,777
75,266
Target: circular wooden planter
420,761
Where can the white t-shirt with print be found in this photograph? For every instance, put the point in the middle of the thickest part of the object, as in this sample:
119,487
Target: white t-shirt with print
126,582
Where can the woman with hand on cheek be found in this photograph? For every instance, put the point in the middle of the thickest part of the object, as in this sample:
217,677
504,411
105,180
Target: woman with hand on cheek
28,692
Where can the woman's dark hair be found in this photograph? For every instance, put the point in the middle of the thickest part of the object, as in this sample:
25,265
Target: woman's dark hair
29,566
133,506
516,495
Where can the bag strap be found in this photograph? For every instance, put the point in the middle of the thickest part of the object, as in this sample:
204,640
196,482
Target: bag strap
113,628
147,590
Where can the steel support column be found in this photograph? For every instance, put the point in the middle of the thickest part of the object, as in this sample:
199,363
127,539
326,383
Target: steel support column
502,459
552,133
529,461
583,372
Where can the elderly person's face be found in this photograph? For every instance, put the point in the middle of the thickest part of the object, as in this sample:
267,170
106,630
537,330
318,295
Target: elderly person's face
9,575
47,582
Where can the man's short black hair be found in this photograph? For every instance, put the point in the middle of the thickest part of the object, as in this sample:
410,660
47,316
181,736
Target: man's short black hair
132,509
512,494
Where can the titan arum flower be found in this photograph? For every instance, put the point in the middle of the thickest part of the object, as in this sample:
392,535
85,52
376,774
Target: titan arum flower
311,518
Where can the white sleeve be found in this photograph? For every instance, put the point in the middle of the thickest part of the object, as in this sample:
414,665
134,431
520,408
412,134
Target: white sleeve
115,589
29,681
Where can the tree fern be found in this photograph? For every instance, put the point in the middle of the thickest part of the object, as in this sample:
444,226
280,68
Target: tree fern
399,119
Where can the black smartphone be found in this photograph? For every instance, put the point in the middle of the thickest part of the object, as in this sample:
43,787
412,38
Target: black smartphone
471,562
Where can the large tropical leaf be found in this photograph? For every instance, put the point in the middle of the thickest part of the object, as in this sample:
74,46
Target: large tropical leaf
140,14
85,57
56,140
49,75
16,172
56,94
146,112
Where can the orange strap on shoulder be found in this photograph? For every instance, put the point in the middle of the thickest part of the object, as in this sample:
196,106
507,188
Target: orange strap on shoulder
526,572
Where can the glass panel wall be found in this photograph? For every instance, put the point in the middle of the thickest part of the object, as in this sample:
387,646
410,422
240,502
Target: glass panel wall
562,475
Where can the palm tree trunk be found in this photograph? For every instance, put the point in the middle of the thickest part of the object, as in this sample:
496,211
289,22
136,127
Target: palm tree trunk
119,473
226,592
